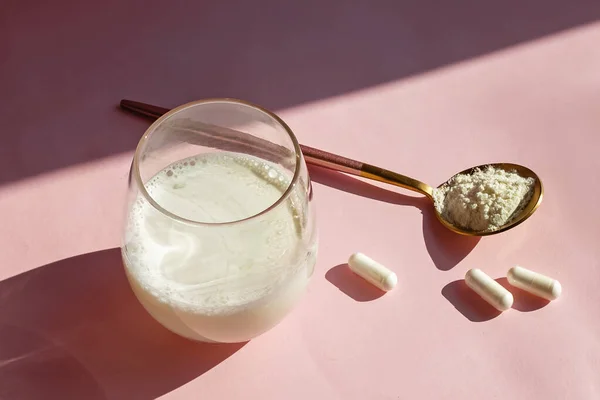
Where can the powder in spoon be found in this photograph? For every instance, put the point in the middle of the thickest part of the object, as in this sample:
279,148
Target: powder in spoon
484,200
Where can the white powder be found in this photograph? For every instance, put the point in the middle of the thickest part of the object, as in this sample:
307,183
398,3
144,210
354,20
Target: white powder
485,200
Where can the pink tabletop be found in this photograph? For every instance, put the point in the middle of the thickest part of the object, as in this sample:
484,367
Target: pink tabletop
424,93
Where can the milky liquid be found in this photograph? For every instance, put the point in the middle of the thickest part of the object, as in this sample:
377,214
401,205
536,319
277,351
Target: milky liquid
219,282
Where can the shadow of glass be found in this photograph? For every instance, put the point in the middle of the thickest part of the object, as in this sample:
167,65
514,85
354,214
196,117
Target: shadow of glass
33,367
445,247
74,329
342,277
468,303
523,301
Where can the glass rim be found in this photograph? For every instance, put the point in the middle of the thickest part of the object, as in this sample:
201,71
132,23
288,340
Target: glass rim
146,137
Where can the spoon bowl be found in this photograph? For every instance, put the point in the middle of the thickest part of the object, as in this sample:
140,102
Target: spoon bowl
525,212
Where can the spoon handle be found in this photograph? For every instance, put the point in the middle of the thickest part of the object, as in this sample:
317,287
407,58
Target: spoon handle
347,165
312,156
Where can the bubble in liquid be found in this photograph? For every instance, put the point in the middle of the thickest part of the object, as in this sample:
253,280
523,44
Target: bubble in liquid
192,163
272,173
169,173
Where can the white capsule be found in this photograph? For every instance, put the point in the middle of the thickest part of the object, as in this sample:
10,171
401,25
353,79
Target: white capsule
535,283
490,290
372,271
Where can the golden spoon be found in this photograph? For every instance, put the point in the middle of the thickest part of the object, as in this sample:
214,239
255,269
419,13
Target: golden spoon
353,167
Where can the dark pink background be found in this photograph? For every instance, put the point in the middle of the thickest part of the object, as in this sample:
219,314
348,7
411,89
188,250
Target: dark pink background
66,64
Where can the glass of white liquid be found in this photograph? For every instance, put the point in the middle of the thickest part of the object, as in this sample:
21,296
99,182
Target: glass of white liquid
220,238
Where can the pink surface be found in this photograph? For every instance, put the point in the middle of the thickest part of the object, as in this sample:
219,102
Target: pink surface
69,325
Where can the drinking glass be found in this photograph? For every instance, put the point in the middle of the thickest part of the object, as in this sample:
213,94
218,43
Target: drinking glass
220,238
